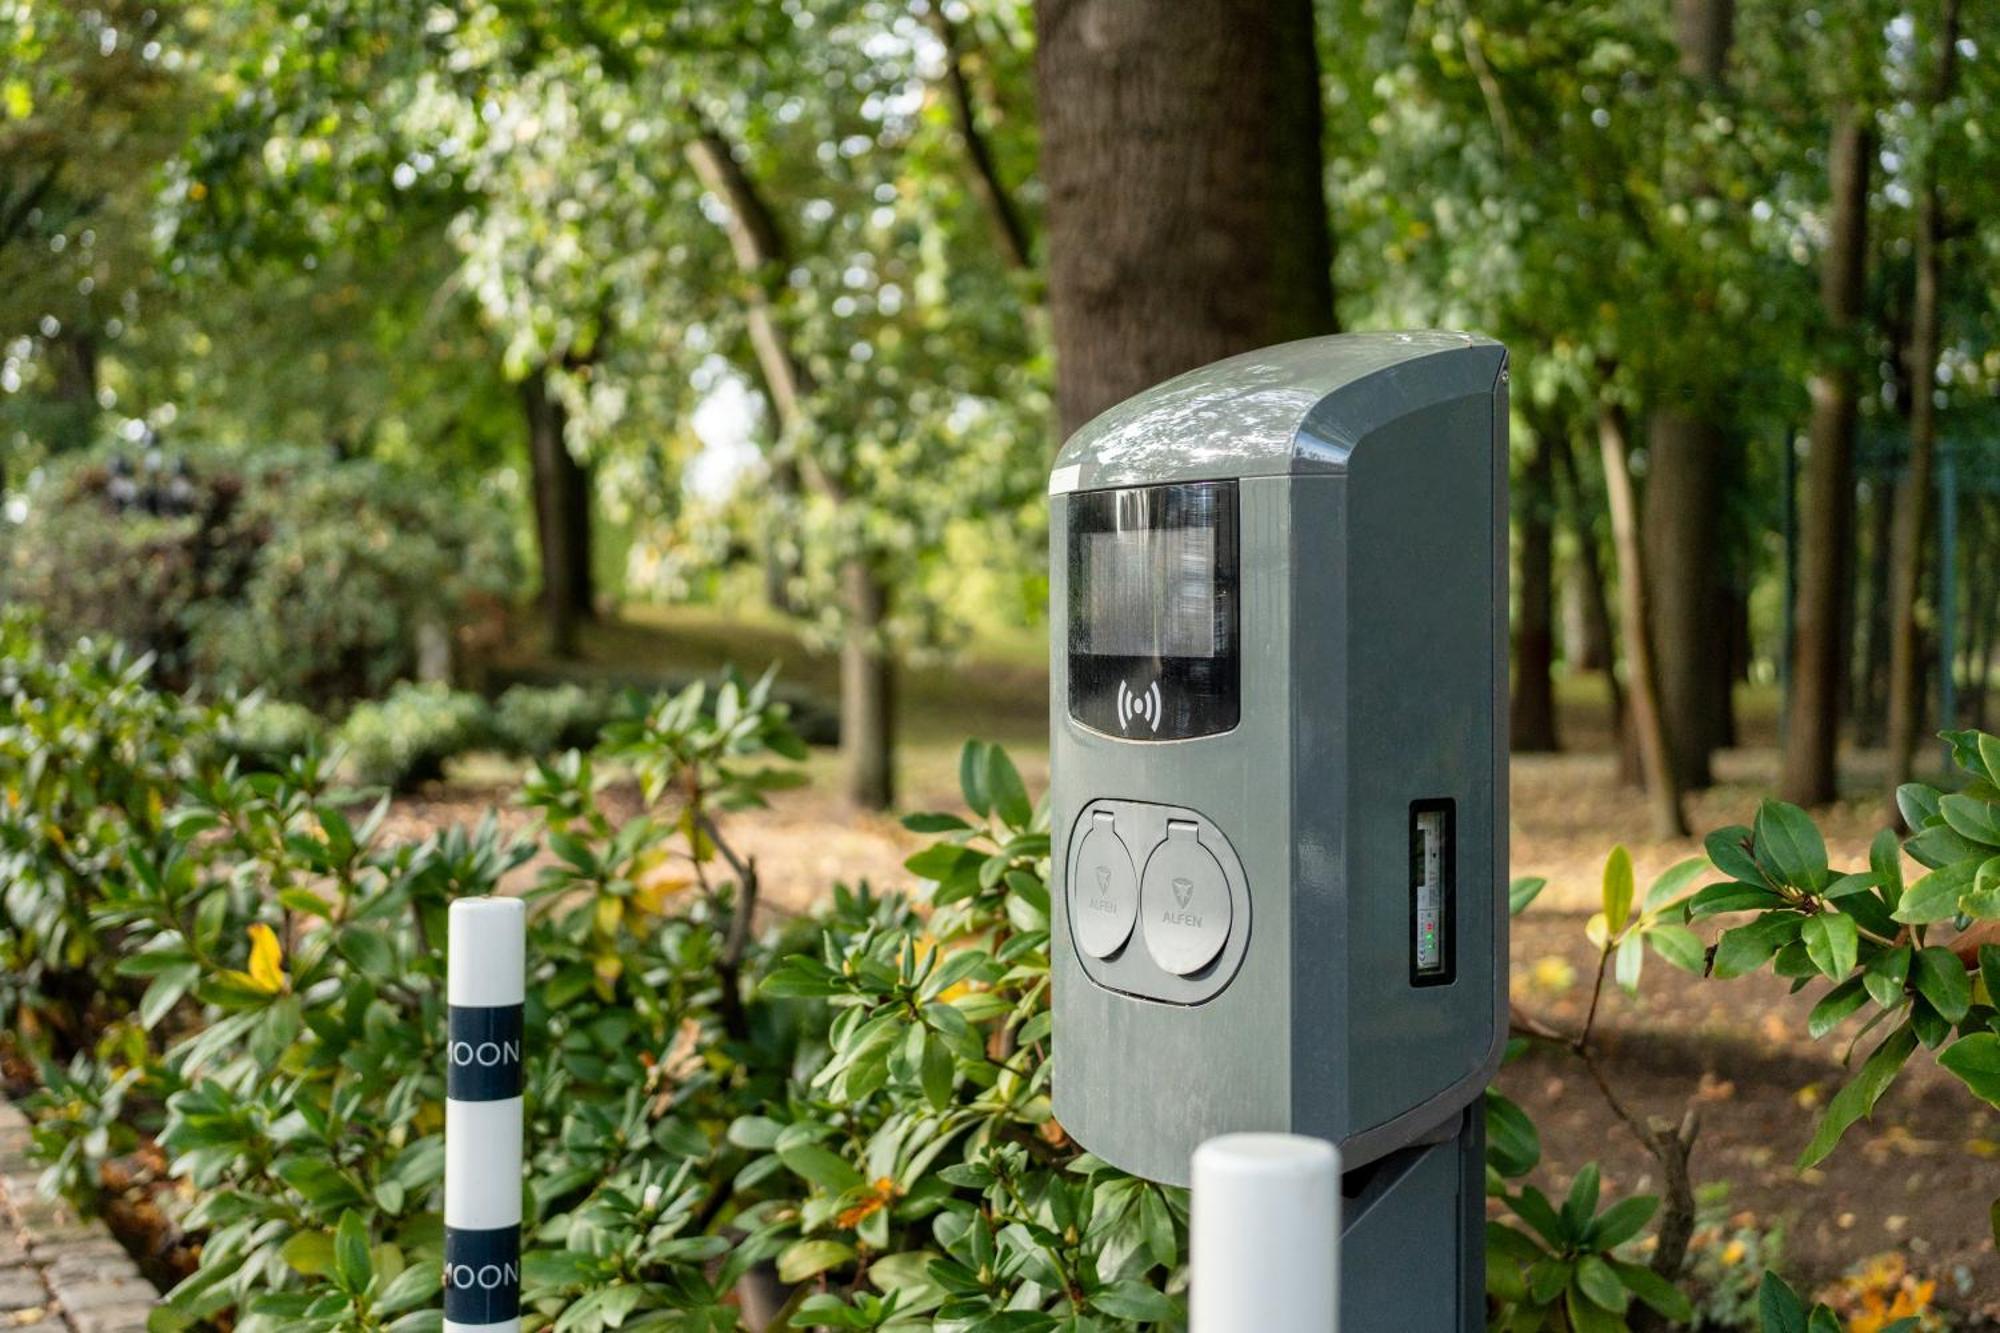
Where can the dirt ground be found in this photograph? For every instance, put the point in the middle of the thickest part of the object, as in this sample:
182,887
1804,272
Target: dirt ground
1916,1182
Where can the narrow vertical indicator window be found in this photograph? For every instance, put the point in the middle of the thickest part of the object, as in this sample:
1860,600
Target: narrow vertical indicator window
1433,891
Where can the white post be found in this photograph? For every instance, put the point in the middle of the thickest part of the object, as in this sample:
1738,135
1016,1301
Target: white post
487,972
1265,1242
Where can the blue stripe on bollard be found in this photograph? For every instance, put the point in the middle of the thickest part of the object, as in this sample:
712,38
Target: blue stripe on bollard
484,1053
482,1275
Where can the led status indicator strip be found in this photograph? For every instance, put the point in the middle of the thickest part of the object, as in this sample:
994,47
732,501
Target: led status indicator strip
486,984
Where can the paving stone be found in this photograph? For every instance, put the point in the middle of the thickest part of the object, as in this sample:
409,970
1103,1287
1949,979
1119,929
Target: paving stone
59,1272
21,1289
117,1319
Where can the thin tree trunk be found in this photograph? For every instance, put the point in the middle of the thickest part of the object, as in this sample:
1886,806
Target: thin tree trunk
1532,711
1662,785
1009,228
562,515
867,668
73,356
1905,702
1597,613
1820,647
867,691
1870,680
1683,499
1186,213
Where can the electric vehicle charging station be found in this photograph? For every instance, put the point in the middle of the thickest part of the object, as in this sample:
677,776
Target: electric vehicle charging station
1279,785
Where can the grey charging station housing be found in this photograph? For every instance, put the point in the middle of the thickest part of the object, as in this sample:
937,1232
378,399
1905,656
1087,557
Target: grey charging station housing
1279,755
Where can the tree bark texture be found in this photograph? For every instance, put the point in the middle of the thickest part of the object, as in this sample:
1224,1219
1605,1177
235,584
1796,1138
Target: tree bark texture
562,515
1597,613
1686,457
1906,705
1186,212
1820,642
867,690
1662,783
1682,530
1532,709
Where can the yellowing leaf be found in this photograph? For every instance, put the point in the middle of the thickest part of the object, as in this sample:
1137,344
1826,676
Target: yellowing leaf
19,100
267,960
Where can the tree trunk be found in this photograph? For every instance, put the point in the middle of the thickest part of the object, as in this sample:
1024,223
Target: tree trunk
1913,504
73,359
562,515
1681,534
1648,718
1873,614
1532,712
1683,497
867,690
1186,213
1597,612
1820,646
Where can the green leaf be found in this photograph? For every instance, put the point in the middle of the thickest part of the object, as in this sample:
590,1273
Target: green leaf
1009,793
1831,942
1600,1283
972,778
1622,1221
1678,946
1917,803
309,1253
1789,845
1524,891
1729,851
1746,948
1719,898
938,1069
1618,888
820,1166
1935,896
1834,1008
1674,882
1976,1060
1778,1306
1885,858
1134,1300
1513,1145
370,951
1887,974
1586,1316
1971,817
1942,979
165,991
352,1267
1663,1296
1860,1094
1581,1205
809,1258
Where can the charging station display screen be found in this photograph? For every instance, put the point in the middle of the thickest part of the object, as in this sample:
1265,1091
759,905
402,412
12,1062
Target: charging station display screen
1152,610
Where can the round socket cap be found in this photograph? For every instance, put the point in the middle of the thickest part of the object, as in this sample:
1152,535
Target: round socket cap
1104,891
1185,900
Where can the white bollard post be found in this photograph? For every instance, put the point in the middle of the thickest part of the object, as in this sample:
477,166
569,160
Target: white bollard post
486,969
1265,1235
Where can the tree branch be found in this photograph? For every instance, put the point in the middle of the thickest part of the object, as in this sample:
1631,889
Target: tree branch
1008,226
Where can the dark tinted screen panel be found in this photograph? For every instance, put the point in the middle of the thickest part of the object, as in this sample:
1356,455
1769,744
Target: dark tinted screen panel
1153,610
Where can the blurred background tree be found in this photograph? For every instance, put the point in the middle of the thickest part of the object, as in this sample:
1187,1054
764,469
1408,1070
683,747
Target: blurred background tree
781,309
